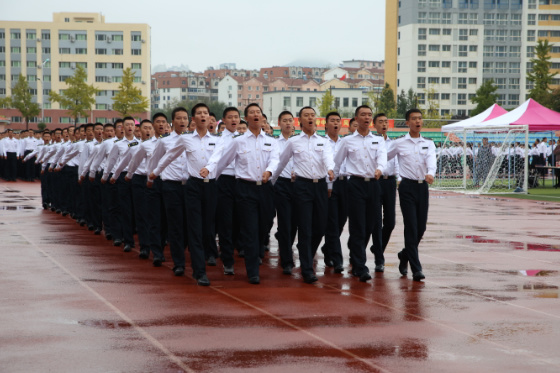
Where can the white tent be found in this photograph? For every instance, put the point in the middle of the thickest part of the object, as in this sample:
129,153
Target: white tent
490,113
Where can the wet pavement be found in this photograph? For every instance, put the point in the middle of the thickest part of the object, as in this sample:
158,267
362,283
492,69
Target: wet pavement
71,302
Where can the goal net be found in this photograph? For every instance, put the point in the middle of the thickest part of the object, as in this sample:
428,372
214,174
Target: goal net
490,160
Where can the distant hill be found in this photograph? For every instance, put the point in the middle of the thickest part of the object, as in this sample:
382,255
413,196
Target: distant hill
162,68
310,62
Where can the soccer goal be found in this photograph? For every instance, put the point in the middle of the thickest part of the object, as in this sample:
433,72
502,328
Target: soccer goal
490,160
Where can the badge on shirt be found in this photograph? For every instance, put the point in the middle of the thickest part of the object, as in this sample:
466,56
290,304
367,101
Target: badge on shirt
265,144
374,142
212,144
424,148
133,144
320,144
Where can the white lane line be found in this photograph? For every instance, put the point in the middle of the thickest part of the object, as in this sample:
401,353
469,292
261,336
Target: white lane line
115,309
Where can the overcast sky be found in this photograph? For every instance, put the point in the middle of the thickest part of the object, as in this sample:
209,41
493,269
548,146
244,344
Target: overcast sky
250,33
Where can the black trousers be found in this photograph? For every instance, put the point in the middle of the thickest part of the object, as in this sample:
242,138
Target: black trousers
156,219
312,210
106,216
69,176
95,192
44,188
227,223
284,201
141,215
11,166
414,201
336,221
255,207
29,167
126,215
364,218
201,215
174,202
388,189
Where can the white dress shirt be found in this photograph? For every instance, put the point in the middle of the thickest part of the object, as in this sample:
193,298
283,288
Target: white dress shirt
99,162
120,148
417,156
225,139
289,169
253,155
175,170
139,160
364,155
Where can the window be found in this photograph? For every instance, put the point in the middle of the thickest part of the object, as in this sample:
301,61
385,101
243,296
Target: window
136,52
63,36
138,79
421,66
513,99
463,50
421,49
501,35
2,35
501,51
100,65
81,36
531,51
434,47
287,101
313,101
445,96
422,17
345,102
488,51
445,80
463,34
32,78
515,35
463,18
46,50
117,65
31,63
31,36
15,50
15,35
473,48
63,65
82,65
117,38
501,67
118,51
299,101
446,31
62,78
500,83
515,20
446,48
462,67
472,81
446,64
31,50
138,66
136,37
15,64
473,65
488,19
100,51
461,99
420,82
514,83
434,64
473,32
515,52
421,34
434,17
502,19
435,31
2,63
64,50
433,80
81,50
100,37
46,36
354,102
514,67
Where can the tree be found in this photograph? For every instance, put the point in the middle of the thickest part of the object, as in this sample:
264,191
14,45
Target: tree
412,99
540,74
326,103
22,100
485,97
406,101
129,100
41,126
432,104
384,102
79,97
216,107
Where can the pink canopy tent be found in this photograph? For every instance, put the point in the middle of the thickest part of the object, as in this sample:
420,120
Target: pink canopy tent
538,117
492,112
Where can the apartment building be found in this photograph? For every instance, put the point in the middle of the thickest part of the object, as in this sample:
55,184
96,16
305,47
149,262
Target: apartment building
448,48
47,53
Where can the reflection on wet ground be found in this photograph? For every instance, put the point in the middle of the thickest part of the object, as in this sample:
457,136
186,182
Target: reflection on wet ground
510,244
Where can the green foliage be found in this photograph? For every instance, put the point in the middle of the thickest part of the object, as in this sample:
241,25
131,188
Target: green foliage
384,102
406,101
5,102
41,126
129,99
432,105
326,103
486,96
540,76
79,97
22,100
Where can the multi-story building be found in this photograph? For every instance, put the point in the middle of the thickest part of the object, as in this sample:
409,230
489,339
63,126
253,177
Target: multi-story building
47,53
448,48
291,72
363,64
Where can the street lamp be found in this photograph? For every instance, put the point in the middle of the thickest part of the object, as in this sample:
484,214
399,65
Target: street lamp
42,88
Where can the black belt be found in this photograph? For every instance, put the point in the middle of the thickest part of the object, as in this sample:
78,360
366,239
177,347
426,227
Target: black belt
413,180
321,180
362,178
250,182
286,179
199,180
173,182
227,176
138,176
388,177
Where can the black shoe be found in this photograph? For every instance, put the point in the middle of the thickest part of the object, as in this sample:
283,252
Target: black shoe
338,268
212,261
364,277
203,281
108,236
380,268
64,213
156,262
228,270
403,265
326,258
179,271
127,248
255,280
287,270
82,222
46,206
418,276
97,232
58,211
241,254
144,254
90,228
260,261
310,279
53,209
117,242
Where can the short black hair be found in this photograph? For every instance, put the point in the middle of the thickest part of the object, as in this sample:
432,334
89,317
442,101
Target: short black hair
129,118
378,115
157,115
242,121
411,111
56,130
246,111
228,109
303,108
332,114
46,132
178,109
88,126
285,112
118,121
212,115
352,120
97,124
9,130
361,107
109,125
264,116
197,106
145,121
